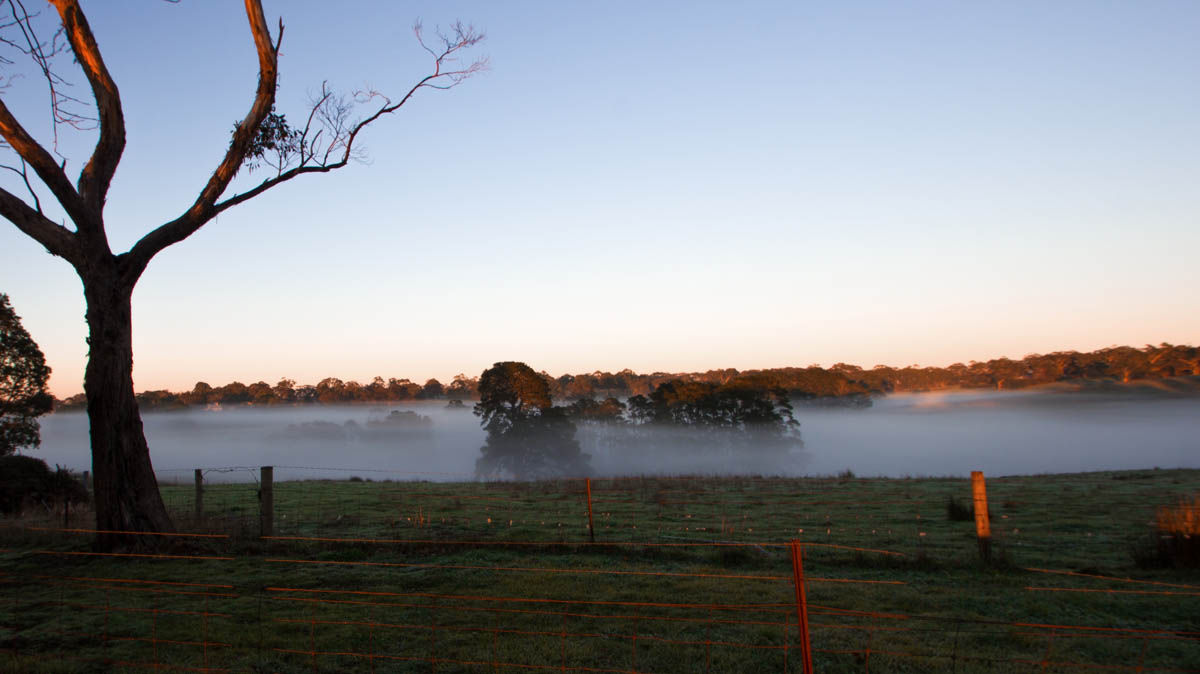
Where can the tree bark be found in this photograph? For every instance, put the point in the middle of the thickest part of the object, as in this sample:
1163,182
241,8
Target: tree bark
126,490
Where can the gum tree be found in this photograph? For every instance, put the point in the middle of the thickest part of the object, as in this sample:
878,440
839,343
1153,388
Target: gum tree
126,491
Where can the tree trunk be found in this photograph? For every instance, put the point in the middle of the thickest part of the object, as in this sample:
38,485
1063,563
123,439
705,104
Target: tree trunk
126,490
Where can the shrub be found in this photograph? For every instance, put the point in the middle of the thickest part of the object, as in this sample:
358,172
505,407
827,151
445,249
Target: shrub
25,480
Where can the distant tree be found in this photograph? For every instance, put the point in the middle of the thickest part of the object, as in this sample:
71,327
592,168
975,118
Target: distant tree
401,419
285,390
23,375
741,415
432,390
305,394
463,387
233,393
159,400
376,390
402,389
75,402
199,395
601,423
352,391
331,390
609,410
527,436
261,393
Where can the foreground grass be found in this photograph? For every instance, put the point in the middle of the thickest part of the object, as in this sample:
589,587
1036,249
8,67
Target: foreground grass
686,575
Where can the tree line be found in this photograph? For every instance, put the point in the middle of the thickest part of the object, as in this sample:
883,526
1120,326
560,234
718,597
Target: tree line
841,383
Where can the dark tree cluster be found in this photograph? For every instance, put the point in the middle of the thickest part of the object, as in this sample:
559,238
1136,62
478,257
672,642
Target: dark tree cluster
1117,363
742,416
853,385
528,437
397,424
745,405
26,481
330,390
23,375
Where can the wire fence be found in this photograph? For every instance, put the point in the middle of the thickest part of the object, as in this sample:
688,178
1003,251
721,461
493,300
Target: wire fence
688,574
1092,515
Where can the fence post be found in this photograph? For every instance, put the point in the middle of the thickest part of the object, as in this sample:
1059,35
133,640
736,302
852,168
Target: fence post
801,607
266,501
983,529
199,495
591,527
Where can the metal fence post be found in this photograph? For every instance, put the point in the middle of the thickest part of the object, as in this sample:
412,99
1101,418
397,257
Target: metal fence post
199,495
591,528
266,501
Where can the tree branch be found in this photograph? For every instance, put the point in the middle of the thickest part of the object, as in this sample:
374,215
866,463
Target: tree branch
443,71
24,173
42,54
44,165
297,153
333,114
57,239
97,175
272,182
201,211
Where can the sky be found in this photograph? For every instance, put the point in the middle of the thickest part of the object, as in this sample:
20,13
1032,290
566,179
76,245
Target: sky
662,186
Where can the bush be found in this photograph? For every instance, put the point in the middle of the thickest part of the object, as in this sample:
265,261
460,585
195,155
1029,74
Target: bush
25,480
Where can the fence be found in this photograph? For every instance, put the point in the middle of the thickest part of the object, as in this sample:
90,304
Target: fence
685,574
1092,514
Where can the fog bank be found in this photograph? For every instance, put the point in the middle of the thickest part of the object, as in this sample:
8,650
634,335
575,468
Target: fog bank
1001,433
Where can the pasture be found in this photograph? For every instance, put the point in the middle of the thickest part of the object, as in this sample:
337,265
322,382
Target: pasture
686,574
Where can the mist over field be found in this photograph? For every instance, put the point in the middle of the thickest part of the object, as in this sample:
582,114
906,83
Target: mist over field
1000,433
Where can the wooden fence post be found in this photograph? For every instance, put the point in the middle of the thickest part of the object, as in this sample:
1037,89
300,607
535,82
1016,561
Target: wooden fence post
266,501
983,528
591,527
199,495
801,607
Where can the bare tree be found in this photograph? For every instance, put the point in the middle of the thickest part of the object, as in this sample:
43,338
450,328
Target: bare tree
128,503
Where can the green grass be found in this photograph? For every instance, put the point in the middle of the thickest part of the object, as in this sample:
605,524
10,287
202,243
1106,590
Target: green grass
458,577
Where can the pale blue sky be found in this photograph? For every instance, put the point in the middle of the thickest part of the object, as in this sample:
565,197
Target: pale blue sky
661,186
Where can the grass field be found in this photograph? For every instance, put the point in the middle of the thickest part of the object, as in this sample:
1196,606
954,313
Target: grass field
686,574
